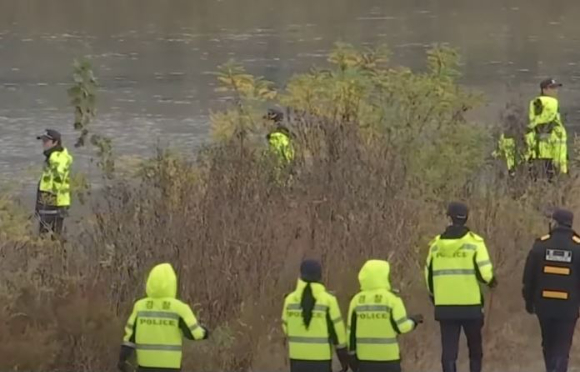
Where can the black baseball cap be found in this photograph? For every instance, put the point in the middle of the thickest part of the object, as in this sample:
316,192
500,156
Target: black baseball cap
549,83
563,217
457,211
274,114
50,134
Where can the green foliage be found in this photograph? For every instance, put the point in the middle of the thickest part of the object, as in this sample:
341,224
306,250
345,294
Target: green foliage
14,221
420,116
83,98
248,94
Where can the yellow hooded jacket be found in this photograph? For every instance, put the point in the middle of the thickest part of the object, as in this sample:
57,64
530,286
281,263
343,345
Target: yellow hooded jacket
160,321
376,316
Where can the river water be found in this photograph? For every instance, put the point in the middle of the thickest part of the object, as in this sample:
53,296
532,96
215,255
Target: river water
154,58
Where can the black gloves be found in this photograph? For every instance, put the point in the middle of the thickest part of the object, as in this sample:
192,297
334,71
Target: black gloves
493,283
206,335
530,307
417,319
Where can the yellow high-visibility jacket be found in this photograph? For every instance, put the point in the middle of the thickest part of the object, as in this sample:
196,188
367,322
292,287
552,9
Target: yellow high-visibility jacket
54,186
454,269
376,316
548,138
326,328
159,322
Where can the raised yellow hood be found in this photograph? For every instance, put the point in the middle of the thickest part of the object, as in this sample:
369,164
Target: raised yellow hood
162,282
375,275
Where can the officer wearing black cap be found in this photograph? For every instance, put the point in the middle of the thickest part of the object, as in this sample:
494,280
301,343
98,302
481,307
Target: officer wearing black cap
53,196
457,263
281,143
551,288
546,137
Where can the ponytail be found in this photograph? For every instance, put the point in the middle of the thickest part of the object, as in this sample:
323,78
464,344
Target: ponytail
307,304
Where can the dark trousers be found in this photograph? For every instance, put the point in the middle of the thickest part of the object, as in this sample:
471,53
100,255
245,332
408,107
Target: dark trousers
542,169
52,223
450,331
394,366
557,337
310,365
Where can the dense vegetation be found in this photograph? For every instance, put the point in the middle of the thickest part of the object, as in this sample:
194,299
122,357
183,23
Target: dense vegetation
381,149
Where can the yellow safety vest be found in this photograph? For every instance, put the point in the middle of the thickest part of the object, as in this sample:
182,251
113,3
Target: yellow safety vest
549,139
454,270
507,150
326,328
376,316
281,145
55,181
154,328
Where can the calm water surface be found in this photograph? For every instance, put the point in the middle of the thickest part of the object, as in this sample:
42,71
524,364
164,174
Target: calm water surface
154,57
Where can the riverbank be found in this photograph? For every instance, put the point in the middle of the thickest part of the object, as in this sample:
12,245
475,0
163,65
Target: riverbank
380,151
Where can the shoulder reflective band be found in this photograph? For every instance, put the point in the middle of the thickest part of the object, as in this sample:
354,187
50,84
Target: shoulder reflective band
453,272
298,307
376,340
558,255
309,340
159,347
556,270
157,314
364,308
555,294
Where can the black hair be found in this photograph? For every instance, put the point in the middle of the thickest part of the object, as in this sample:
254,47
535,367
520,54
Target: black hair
307,303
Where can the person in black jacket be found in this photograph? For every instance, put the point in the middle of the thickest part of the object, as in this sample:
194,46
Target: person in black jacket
551,286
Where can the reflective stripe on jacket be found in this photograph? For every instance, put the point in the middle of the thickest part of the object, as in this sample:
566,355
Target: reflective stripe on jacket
376,316
547,137
54,186
326,328
157,323
453,271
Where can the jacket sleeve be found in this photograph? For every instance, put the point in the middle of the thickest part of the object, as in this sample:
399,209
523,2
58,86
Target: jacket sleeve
130,327
483,263
351,327
337,323
399,317
285,317
59,167
529,280
188,319
429,268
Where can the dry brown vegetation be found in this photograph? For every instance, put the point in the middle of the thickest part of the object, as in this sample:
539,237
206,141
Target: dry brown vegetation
236,235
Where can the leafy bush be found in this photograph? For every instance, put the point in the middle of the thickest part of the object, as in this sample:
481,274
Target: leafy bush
381,149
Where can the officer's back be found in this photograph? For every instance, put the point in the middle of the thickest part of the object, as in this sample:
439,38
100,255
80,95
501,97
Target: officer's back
552,272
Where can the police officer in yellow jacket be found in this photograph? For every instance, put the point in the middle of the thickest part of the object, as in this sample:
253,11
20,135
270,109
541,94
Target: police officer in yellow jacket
551,288
312,323
280,139
158,324
547,137
376,316
506,150
53,196
457,263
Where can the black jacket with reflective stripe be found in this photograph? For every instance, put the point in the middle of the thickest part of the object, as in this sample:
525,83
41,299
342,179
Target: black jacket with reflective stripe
550,283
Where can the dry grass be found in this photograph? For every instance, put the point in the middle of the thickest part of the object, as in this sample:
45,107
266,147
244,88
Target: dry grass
236,239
